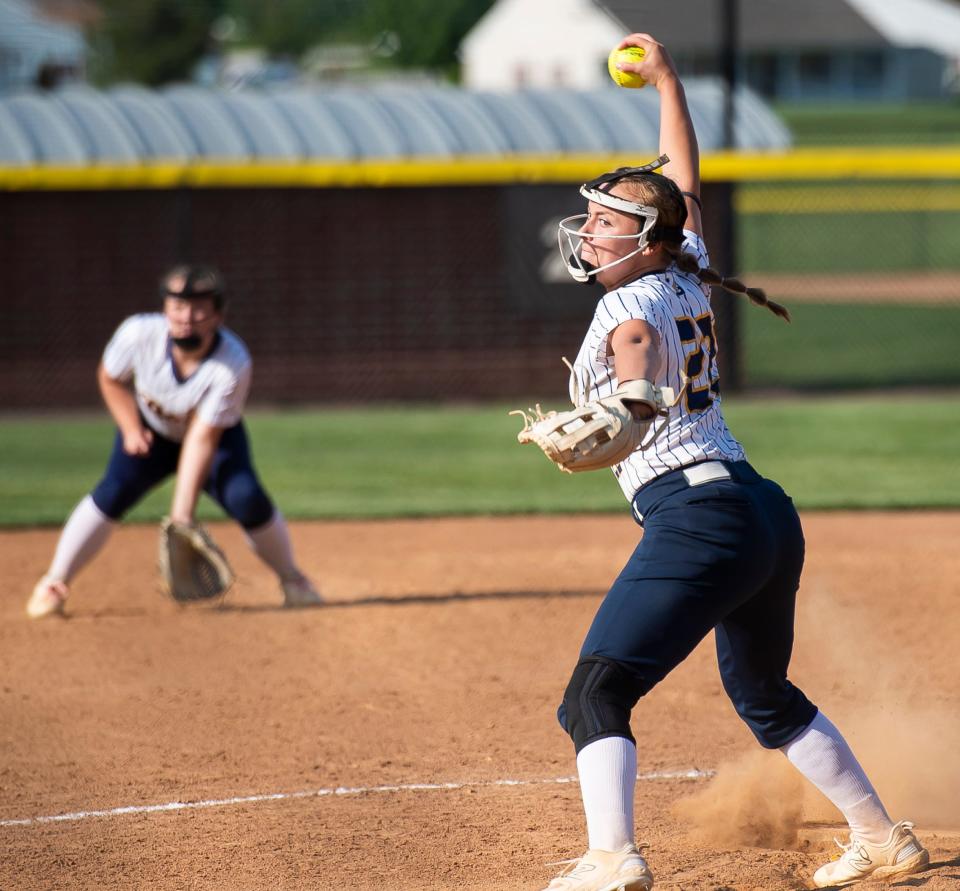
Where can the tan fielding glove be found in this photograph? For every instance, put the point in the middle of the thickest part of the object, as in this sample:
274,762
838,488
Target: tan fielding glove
191,565
597,434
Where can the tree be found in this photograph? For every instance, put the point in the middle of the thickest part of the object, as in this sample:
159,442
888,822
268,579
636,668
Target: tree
159,41
291,27
152,41
429,33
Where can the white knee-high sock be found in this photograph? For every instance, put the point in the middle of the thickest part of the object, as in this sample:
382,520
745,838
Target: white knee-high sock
271,543
608,777
822,755
84,533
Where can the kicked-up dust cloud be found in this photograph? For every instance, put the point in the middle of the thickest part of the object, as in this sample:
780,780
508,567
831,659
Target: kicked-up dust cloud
905,735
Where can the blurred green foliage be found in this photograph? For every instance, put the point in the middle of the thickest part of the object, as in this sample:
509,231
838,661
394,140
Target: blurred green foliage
152,41
897,241
872,123
846,346
158,41
429,32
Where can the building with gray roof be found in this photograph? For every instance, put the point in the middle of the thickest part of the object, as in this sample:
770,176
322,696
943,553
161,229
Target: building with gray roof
35,50
818,49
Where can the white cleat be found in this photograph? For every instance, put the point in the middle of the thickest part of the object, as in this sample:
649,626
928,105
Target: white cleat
300,592
900,855
48,598
623,870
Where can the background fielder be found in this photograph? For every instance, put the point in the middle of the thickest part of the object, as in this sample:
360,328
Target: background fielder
176,384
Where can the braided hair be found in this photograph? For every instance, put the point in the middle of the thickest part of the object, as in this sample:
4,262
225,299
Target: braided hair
663,193
688,263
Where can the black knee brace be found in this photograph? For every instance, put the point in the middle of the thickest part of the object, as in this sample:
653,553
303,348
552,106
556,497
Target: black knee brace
598,701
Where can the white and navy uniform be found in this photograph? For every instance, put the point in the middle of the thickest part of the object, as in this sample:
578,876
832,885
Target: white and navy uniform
139,354
722,547
216,393
677,305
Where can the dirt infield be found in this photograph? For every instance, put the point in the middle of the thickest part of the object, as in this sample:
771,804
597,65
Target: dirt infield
366,744
915,289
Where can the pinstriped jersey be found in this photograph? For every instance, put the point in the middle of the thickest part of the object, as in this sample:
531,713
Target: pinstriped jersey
139,353
677,305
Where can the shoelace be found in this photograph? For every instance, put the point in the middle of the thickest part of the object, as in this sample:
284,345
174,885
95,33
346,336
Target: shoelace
570,865
856,841
844,848
906,825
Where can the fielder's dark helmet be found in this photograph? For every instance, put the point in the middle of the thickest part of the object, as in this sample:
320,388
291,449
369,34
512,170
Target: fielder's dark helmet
188,280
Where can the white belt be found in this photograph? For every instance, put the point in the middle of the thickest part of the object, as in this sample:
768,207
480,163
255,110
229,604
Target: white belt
695,475
707,472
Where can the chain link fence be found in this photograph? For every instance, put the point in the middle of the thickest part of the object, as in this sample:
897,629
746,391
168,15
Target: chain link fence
871,272
457,292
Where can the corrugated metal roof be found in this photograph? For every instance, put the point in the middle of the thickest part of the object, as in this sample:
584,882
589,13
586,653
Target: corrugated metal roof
52,135
104,129
159,130
80,125
14,145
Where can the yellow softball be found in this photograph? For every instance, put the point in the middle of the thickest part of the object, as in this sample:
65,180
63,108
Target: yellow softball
632,54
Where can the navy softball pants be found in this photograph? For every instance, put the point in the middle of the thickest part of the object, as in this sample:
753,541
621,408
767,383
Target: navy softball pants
723,555
232,483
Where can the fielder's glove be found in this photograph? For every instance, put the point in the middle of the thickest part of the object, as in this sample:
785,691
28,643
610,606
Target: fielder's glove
597,434
192,567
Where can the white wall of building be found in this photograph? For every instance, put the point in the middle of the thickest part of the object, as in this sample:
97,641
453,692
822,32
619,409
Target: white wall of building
539,44
932,24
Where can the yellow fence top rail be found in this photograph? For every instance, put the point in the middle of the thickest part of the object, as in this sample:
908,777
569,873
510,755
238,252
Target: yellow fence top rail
808,164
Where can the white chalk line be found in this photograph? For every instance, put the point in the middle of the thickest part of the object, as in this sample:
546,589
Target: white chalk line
692,774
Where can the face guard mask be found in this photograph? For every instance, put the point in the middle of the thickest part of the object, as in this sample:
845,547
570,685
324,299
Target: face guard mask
188,344
570,239
187,282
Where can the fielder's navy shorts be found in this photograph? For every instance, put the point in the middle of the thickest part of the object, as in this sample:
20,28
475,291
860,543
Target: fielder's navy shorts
724,555
232,483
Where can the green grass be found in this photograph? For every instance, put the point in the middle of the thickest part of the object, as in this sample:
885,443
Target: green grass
391,461
859,123
900,241
852,345
880,451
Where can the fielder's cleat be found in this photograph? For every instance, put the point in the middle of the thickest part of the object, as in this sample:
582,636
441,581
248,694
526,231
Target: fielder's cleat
47,599
623,870
300,592
900,855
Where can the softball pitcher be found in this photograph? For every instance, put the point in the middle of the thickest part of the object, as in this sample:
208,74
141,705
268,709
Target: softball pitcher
722,547
176,383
